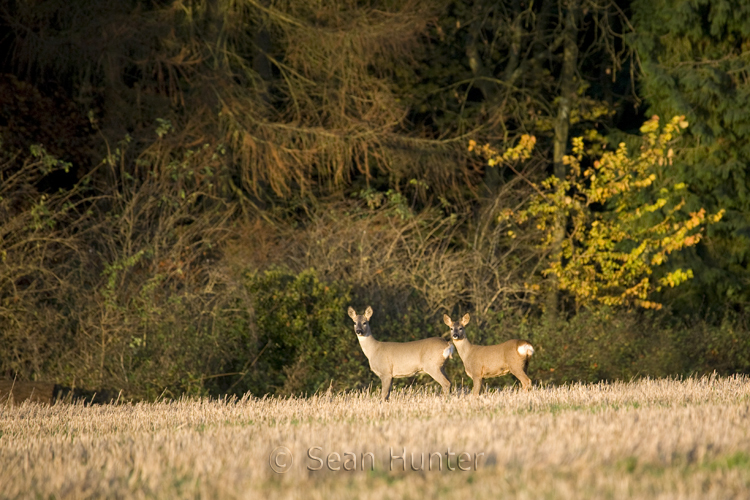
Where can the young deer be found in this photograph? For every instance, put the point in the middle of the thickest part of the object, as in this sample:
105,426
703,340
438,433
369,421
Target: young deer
389,360
492,360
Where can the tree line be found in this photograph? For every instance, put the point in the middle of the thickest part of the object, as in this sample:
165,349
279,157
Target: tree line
193,192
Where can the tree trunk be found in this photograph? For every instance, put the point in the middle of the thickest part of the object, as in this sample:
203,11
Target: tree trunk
568,86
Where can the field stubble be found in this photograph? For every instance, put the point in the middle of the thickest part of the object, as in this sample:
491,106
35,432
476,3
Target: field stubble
644,439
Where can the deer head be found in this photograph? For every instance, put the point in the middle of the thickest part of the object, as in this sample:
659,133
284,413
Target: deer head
457,329
361,322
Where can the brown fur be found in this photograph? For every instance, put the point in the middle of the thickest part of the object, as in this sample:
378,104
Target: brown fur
389,360
483,362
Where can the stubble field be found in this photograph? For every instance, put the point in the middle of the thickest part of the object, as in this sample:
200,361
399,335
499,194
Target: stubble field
645,439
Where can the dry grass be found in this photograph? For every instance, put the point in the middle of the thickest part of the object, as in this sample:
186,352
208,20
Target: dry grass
646,439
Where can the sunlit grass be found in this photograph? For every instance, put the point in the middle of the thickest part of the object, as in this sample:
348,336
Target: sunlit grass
645,439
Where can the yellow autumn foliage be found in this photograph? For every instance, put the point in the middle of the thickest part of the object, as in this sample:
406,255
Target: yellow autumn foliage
623,217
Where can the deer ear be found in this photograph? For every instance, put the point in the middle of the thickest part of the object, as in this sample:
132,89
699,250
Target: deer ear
465,319
447,320
368,313
352,313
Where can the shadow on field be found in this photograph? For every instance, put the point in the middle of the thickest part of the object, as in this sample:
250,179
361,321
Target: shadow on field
16,392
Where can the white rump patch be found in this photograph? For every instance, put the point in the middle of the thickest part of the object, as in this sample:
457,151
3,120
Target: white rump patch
449,351
525,350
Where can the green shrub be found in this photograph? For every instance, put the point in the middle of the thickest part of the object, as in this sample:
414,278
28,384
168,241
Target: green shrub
300,331
703,347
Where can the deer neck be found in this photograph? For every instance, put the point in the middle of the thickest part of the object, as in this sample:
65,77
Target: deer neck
368,343
463,347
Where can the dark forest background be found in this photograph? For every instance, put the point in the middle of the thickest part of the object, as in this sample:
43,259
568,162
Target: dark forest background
192,192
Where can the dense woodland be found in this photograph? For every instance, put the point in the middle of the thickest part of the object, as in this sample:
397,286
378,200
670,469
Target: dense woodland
192,192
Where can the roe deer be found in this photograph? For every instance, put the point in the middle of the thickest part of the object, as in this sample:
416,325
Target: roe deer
389,360
485,361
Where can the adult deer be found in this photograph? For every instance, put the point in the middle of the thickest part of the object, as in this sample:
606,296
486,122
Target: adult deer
483,362
389,360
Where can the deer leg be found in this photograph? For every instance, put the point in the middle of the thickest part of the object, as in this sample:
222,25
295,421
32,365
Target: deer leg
477,386
522,377
446,388
387,382
441,378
